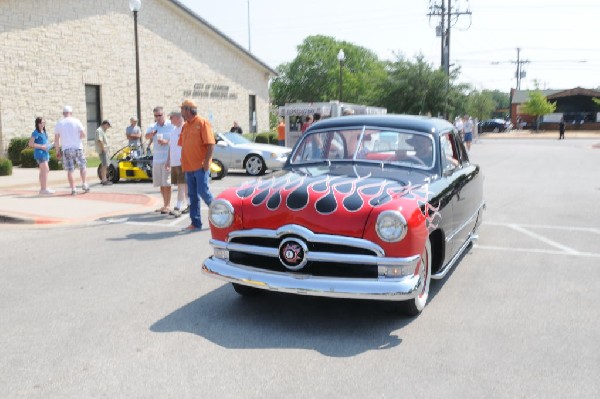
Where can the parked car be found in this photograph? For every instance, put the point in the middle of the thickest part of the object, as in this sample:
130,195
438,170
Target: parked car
349,217
494,125
234,151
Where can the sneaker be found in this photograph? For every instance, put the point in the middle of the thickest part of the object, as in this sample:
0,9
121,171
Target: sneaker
106,183
175,212
85,188
191,227
47,191
186,210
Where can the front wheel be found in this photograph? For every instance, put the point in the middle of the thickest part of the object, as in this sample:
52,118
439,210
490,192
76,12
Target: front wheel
255,165
111,173
415,306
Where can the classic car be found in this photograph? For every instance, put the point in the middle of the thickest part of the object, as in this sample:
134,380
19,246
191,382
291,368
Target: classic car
369,207
234,151
130,163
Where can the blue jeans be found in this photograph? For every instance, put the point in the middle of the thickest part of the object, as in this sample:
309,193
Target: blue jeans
197,182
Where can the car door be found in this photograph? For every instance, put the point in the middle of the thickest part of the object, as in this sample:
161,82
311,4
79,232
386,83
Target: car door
467,193
222,151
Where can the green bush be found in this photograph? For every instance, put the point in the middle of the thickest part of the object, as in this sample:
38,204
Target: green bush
262,138
53,163
27,160
16,145
5,167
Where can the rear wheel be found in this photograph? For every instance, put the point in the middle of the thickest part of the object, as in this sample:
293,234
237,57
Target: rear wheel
255,165
496,129
111,173
244,290
415,306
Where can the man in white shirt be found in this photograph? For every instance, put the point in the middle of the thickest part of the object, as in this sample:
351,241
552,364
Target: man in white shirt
160,133
68,135
174,162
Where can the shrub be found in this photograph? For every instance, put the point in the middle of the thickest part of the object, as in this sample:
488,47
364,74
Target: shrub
262,138
5,167
53,163
27,160
16,145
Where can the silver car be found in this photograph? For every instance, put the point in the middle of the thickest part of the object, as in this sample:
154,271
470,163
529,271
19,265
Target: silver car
234,151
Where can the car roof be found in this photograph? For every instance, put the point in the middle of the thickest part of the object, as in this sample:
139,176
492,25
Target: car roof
409,122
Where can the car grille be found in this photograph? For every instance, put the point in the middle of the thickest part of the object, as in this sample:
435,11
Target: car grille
314,268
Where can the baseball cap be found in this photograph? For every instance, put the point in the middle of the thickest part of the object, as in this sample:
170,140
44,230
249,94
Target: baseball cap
107,122
188,103
67,108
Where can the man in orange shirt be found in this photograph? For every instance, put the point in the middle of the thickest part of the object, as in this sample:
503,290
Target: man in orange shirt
197,143
281,132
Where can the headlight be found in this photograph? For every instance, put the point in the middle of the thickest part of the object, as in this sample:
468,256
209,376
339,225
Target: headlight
220,213
274,155
391,226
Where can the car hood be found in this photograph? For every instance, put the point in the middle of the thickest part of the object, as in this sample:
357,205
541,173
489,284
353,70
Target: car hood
265,147
332,200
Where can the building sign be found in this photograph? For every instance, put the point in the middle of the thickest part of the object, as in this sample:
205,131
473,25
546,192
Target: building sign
210,90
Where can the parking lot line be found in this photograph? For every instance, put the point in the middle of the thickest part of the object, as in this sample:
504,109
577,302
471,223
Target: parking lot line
535,250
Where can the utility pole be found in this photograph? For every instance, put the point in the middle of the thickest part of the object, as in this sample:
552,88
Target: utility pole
449,18
520,74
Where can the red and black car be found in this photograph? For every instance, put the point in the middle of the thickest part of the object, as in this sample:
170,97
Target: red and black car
368,207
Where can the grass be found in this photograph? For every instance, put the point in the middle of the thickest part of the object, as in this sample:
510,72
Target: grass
93,162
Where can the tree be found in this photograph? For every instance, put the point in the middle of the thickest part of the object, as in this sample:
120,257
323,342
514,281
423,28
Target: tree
481,104
313,75
537,106
415,87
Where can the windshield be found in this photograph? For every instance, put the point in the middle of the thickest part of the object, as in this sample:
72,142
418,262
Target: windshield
235,138
366,145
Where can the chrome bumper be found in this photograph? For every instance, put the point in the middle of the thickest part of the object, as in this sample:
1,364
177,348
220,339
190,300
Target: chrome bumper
382,288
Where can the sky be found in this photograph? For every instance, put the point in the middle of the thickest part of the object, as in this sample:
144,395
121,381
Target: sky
559,38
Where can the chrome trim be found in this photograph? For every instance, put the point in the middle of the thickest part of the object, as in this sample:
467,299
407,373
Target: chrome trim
391,289
410,261
455,232
442,273
294,229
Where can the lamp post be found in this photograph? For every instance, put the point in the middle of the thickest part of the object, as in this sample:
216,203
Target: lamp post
134,6
341,57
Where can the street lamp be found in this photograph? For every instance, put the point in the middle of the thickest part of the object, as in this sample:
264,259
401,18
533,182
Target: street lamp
134,6
341,57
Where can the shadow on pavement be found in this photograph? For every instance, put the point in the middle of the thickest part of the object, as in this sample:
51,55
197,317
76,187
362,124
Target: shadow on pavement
333,327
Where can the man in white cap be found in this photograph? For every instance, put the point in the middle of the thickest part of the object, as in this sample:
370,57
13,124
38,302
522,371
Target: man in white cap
68,136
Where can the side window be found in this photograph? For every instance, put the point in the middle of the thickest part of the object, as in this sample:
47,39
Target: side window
450,152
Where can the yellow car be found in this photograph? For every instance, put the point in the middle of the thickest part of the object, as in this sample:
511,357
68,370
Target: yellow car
129,163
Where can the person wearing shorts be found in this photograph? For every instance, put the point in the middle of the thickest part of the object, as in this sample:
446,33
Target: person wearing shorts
468,137
68,135
174,162
102,147
40,144
160,133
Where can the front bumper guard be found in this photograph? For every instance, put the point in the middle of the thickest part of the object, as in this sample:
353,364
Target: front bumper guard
382,288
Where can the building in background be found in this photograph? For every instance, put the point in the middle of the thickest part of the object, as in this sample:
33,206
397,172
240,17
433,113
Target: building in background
575,105
82,53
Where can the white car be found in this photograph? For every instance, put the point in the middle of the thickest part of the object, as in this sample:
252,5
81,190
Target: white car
234,151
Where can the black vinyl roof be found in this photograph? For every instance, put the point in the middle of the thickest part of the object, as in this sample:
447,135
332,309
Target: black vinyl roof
409,122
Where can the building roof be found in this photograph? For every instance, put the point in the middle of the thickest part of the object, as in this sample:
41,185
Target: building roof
224,36
521,96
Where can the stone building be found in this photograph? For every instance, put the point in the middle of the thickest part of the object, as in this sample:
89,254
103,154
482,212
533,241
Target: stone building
82,53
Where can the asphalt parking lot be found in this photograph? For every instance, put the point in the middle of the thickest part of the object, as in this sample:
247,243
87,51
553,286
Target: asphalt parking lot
126,312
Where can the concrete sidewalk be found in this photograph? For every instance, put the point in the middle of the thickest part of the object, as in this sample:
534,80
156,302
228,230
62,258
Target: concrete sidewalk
20,201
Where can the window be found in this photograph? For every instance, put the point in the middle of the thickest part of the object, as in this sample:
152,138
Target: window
92,106
252,112
450,152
